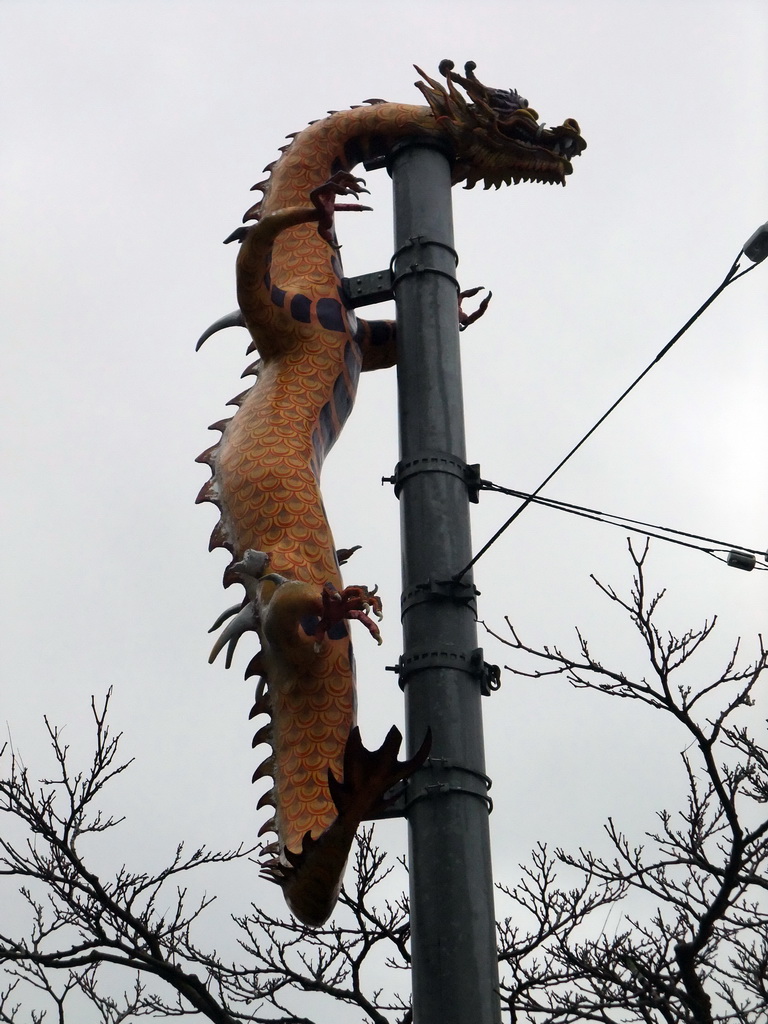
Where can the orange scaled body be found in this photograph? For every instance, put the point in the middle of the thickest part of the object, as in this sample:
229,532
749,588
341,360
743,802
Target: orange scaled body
266,470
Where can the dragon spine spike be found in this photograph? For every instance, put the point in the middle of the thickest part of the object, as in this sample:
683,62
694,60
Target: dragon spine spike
253,212
252,370
208,457
269,825
254,668
239,399
221,425
267,464
261,706
219,539
208,492
268,799
265,770
264,735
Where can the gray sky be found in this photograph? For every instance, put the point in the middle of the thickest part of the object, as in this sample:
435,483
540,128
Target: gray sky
131,136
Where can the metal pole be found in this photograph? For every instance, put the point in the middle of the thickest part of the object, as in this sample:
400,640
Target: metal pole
453,942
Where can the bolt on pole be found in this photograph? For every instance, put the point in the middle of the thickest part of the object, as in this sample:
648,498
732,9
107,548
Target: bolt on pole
453,934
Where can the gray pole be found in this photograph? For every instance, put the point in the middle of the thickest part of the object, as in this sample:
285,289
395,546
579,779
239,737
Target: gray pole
453,942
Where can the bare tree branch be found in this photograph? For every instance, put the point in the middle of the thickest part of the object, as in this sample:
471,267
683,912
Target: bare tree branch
78,923
701,957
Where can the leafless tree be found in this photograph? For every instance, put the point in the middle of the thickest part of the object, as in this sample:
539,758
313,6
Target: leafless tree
699,956
80,926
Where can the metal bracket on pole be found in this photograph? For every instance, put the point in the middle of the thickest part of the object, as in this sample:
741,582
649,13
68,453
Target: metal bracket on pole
377,163
437,462
367,289
471,662
378,286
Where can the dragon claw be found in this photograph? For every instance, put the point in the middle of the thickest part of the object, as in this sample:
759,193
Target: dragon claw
226,614
369,624
324,200
465,319
245,621
351,603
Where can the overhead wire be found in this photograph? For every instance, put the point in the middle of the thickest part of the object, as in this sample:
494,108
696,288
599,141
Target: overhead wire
732,275
674,536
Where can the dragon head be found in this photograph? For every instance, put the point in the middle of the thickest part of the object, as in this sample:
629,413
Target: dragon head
496,136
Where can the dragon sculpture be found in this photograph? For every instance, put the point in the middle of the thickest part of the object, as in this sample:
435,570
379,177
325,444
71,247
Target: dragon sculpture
266,465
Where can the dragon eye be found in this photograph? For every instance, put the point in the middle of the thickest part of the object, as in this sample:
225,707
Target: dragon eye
507,101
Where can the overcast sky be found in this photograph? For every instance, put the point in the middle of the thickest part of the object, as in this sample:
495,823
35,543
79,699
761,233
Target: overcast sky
131,134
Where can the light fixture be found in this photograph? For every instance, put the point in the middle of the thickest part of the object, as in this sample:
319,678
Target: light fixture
756,247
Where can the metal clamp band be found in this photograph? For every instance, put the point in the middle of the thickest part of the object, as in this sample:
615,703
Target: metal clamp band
458,591
438,462
444,787
434,789
398,802
471,662
418,242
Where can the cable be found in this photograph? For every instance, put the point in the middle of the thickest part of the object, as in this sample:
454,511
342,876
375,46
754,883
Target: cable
731,276
635,525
